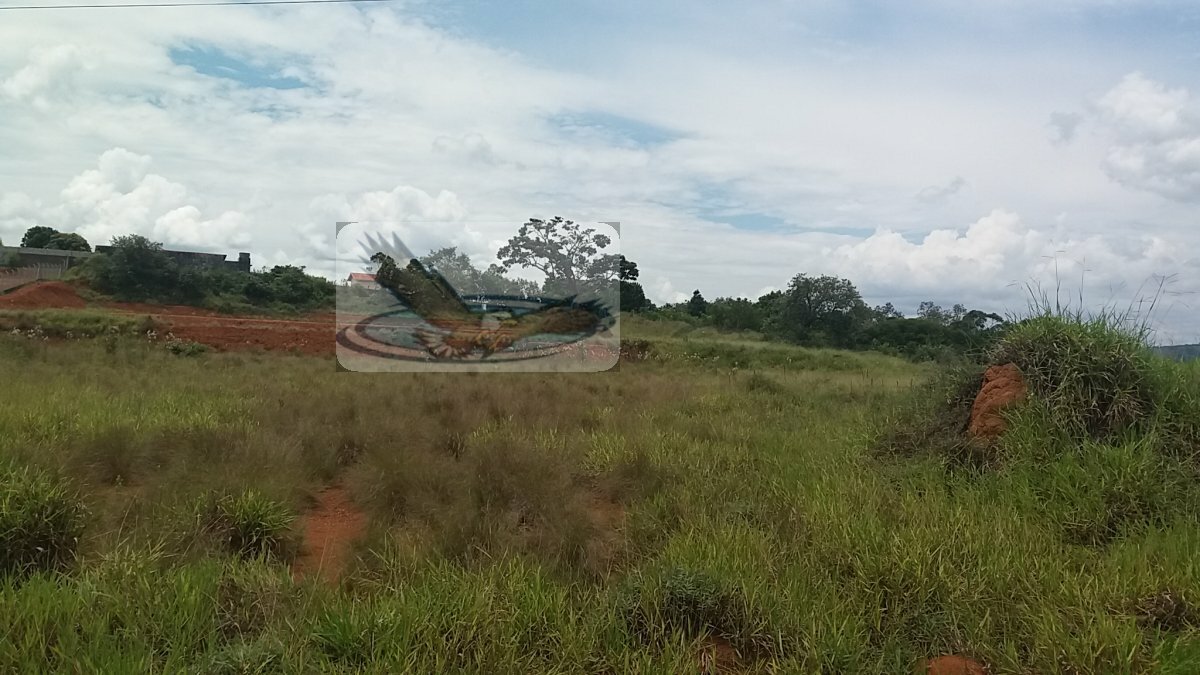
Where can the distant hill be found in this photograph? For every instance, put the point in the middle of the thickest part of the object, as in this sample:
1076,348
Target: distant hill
1180,352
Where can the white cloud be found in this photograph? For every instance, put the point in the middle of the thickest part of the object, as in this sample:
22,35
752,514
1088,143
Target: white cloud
49,72
937,193
1155,136
120,197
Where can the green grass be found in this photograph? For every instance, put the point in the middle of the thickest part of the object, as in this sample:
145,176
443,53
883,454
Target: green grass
69,324
616,522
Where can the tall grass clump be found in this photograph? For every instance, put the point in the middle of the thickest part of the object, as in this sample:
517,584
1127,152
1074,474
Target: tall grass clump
249,524
41,519
1094,372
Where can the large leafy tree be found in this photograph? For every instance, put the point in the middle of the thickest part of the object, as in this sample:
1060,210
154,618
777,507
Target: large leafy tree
697,305
68,241
37,236
40,236
570,255
822,310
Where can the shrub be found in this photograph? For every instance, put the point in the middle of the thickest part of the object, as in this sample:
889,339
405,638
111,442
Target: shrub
41,519
185,347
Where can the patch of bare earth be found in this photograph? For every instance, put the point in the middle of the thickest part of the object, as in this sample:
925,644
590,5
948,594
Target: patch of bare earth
952,664
43,295
606,517
717,655
330,530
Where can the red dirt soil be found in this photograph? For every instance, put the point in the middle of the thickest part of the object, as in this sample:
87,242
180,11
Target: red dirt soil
311,335
330,530
43,295
1002,387
717,656
952,665
226,333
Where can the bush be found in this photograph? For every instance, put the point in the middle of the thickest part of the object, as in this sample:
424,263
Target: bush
185,347
41,519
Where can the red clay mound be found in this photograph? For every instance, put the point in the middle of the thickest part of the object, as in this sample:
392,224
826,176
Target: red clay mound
43,295
330,531
952,665
1002,386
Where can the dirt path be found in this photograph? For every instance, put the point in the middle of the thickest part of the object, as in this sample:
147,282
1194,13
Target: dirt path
330,530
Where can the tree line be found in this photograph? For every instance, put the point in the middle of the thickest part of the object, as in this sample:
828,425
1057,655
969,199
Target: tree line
828,311
575,260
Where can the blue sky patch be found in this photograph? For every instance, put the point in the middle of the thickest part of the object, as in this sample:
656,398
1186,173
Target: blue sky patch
614,127
216,62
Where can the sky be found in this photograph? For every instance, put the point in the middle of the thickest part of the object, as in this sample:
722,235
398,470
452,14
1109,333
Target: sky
926,150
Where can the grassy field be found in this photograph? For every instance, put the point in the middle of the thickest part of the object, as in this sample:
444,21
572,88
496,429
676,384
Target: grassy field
723,496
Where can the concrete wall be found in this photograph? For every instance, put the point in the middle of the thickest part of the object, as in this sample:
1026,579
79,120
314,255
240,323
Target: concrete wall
198,259
46,257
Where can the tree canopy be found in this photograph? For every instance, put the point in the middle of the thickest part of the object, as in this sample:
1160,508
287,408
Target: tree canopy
570,255
461,273
821,310
40,236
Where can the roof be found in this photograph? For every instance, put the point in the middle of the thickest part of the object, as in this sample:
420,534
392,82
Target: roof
361,276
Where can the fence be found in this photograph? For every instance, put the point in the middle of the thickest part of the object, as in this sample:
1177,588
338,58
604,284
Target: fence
12,277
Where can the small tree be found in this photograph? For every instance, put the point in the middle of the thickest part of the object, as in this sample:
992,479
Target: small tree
887,311
135,268
633,296
697,306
